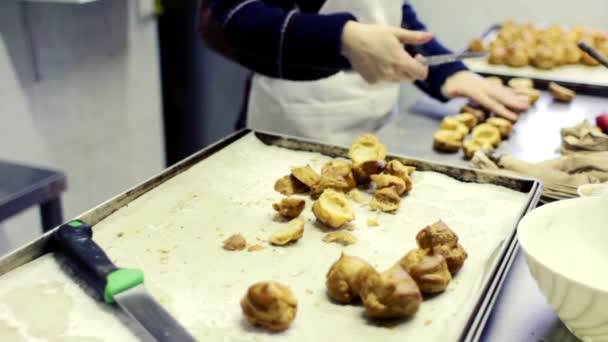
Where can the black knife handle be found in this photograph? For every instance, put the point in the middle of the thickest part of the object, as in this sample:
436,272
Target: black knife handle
594,53
75,239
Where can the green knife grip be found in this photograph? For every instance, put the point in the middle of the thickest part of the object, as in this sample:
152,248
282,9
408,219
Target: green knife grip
90,262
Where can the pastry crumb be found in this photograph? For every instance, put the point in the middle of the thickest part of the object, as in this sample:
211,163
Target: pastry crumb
164,260
255,248
343,238
235,242
356,196
120,234
164,251
373,222
309,291
428,322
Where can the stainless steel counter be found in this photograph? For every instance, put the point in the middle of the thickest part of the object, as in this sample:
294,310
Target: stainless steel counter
521,312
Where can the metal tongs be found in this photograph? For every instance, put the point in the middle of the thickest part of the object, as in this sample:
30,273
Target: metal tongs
451,58
594,53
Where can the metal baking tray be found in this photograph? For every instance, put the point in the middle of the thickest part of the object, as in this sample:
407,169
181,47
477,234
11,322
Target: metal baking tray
583,79
490,287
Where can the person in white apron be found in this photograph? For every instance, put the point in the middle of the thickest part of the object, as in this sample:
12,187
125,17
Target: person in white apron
348,102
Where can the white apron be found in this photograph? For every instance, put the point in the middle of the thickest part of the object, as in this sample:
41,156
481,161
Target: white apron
334,109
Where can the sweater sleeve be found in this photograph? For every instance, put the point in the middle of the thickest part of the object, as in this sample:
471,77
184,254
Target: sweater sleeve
275,41
437,74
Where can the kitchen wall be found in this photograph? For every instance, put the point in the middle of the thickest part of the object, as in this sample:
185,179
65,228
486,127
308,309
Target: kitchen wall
80,92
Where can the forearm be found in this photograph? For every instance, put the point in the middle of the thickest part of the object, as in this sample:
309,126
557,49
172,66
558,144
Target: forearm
437,74
275,41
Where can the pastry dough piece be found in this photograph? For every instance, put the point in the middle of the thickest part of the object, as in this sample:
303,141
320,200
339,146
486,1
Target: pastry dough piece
306,175
390,294
436,234
396,168
365,148
343,238
487,133
332,209
343,280
504,126
467,119
479,113
336,175
440,239
521,83
363,171
430,271
517,57
561,93
495,80
544,57
471,146
290,207
476,45
451,124
270,305
455,256
235,242
532,94
292,231
386,200
289,185
390,181
498,55
447,141
572,53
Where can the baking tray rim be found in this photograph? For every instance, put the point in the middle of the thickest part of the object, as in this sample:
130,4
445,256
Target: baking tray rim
489,289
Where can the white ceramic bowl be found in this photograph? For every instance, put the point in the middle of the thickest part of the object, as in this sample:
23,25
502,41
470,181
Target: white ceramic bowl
593,190
566,247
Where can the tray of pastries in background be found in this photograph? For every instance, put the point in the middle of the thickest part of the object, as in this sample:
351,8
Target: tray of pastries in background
544,53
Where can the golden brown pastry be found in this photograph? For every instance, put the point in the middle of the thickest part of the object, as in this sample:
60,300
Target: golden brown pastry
479,113
386,181
289,185
572,53
532,94
559,54
343,280
498,55
390,294
341,237
476,45
235,242
365,148
517,56
386,200
332,209
290,207
521,83
292,231
440,239
544,57
395,168
504,126
363,171
454,255
447,141
561,93
270,305
487,133
471,146
436,234
586,59
306,175
336,175
430,271
451,124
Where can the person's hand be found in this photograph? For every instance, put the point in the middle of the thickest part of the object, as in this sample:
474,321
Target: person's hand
376,52
497,98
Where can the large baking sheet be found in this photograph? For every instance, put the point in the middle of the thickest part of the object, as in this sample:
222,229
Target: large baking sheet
584,79
173,228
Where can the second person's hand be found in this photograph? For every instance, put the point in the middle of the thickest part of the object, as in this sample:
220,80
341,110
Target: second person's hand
376,52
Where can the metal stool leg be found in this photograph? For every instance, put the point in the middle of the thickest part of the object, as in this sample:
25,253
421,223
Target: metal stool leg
51,214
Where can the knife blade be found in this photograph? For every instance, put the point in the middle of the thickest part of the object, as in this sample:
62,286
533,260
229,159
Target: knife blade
116,285
450,58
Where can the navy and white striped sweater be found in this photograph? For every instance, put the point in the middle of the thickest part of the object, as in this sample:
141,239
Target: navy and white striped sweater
289,39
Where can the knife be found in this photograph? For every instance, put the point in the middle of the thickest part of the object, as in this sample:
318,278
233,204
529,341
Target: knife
594,53
450,58
116,285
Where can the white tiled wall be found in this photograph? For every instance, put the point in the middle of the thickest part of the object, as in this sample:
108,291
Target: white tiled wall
95,111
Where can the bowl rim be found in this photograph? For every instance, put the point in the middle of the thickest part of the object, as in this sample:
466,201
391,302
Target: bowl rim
530,255
579,190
